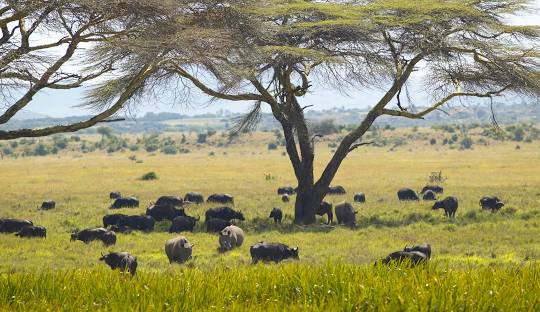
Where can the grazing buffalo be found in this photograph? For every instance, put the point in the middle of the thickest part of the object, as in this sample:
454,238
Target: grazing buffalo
449,204
120,229
173,201
272,252
183,224
178,249
326,209
193,197
434,188
32,231
121,260
336,190
48,205
285,190
224,213
411,257
160,212
230,237
493,203
106,236
359,198
407,194
115,195
277,214
424,248
220,198
346,214
141,223
128,202
429,195
216,225
285,198
13,225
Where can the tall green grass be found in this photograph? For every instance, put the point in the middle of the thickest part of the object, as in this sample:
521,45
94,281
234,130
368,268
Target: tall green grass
290,286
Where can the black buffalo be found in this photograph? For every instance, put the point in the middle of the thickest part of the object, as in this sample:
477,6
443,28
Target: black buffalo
360,197
276,214
32,231
407,194
325,208
410,257
120,229
285,198
106,236
216,225
336,190
275,252
424,248
449,204
224,213
121,260
182,224
48,204
193,197
493,203
429,195
220,198
346,214
128,202
115,195
285,190
434,188
160,212
9,225
141,223
173,201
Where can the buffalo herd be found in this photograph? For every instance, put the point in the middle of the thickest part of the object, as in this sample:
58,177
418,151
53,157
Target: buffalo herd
224,219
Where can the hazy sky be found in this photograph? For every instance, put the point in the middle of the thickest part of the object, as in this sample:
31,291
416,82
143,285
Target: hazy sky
62,103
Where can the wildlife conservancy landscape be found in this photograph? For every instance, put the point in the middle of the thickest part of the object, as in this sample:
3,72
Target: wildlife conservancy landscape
425,197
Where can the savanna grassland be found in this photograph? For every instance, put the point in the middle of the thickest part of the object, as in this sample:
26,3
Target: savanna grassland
481,261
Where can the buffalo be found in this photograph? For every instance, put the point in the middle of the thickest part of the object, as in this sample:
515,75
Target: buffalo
429,195
108,237
230,237
141,223
277,214
449,204
32,231
193,197
160,212
178,249
336,190
182,224
115,195
128,202
424,248
121,260
285,198
48,205
346,214
434,188
216,225
120,229
285,190
325,208
493,203
275,252
9,225
411,257
173,201
224,213
220,198
359,198
407,194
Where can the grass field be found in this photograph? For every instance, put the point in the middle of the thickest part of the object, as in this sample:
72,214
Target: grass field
480,260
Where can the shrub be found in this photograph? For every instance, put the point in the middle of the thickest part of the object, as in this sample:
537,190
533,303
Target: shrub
42,150
169,150
149,176
152,148
324,127
433,141
467,143
201,138
272,146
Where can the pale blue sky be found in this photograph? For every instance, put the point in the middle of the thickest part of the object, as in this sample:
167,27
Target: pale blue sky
56,103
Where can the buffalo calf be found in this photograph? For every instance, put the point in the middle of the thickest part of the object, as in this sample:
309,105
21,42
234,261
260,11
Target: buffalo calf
275,252
449,204
407,194
121,260
32,231
492,203
276,214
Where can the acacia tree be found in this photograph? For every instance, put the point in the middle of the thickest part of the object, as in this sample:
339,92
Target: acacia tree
42,46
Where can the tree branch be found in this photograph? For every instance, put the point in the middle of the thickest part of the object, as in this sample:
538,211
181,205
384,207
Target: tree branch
355,146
